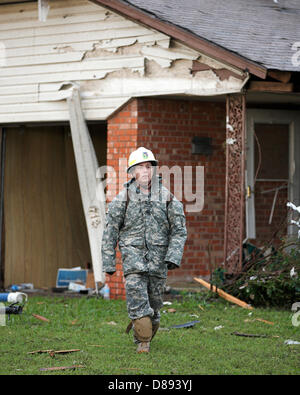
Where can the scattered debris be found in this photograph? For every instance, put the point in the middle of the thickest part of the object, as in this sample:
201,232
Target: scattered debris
293,273
13,297
247,334
41,318
19,287
269,273
14,308
53,352
216,328
171,311
265,321
76,287
223,294
111,323
290,342
95,345
62,368
74,275
186,325
261,320
129,368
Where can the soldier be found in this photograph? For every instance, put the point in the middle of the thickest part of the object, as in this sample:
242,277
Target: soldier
148,222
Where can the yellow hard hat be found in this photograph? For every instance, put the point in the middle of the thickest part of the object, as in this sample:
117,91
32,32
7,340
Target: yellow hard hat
141,155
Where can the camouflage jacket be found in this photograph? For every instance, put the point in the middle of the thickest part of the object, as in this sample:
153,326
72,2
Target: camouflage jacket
150,230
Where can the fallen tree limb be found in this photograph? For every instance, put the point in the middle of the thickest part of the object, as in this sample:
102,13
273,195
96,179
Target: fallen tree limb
62,368
52,352
247,334
223,294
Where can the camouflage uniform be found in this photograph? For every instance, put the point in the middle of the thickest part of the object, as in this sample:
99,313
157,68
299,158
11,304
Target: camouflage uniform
151,233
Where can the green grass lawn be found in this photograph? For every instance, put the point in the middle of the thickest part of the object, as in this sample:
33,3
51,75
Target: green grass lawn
97,328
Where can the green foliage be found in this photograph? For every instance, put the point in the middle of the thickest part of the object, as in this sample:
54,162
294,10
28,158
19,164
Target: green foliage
269,281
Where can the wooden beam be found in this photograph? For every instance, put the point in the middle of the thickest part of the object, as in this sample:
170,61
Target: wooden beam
91,187
282,76
269,86
223,73
223,294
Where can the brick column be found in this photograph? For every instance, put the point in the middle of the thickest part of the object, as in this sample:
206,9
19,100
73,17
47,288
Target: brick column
121,141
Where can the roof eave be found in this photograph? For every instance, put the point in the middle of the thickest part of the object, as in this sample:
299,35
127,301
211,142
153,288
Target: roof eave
185,37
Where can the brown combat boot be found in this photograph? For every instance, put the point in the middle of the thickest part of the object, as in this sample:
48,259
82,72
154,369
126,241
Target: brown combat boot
143,347
154,329
143,333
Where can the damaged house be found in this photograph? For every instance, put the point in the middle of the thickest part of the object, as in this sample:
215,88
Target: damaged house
211,85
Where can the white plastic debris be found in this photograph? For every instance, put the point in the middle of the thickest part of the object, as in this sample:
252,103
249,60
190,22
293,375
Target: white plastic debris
290,204
216,328
76,287
291,342
293,273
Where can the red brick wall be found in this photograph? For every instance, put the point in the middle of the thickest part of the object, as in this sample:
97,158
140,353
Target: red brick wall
167,128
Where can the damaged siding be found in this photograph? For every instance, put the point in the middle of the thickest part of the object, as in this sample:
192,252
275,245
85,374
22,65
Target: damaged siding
110,57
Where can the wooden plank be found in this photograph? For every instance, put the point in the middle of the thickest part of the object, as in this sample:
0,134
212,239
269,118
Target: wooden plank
84,45
42,33
92,193
268,86
18,99
55,116
67,57
282,76
33,107
90,64
52,49
30,10
169,53
54,77
60,105
66,19
18,89
105,34
223,294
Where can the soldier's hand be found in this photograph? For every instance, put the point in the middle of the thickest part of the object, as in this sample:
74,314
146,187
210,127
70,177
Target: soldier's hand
171,265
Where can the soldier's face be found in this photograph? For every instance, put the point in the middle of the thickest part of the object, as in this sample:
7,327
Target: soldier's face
143,173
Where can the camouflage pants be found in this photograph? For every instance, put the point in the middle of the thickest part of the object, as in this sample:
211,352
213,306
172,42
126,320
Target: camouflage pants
144,296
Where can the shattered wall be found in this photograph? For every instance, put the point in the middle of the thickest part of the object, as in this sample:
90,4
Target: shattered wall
109,56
